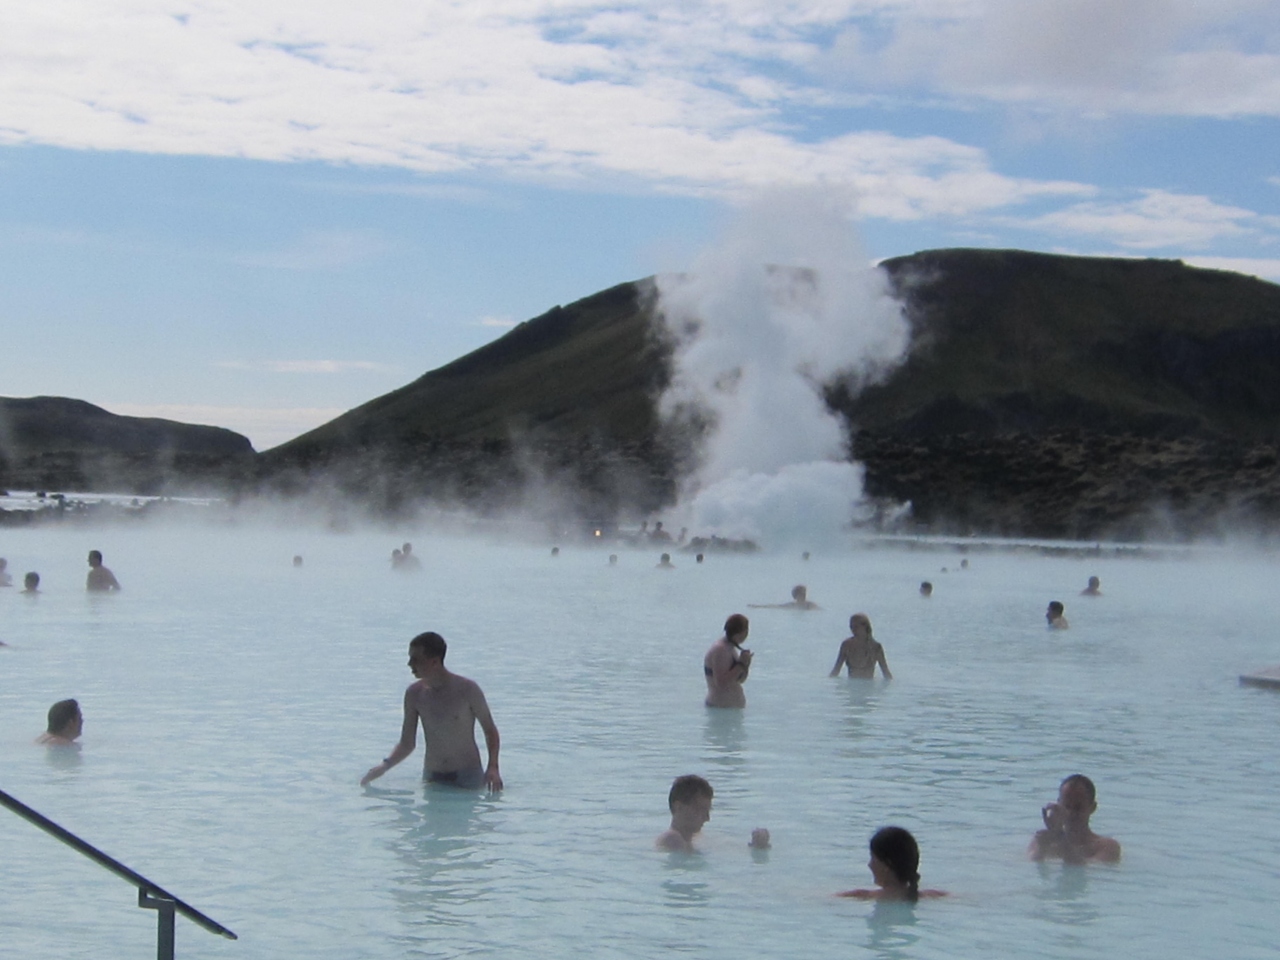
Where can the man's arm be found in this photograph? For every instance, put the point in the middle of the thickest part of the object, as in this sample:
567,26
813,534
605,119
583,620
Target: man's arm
492,742
408,741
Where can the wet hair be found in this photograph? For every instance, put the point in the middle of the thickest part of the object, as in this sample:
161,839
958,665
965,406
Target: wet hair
896,848
686,788
31,580
864,619
735,625
799,591
1056,607
926,587
61,715
95,555
665,558
430,645
1080,778
1095,582
698,558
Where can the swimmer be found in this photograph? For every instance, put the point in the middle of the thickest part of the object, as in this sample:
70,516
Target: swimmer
297,560
760,839
799,601
613,559
964,564
448,707
407,559
664,562
690,803
861,652
726,665
5,579
659,535
397,559
1066,832
1094,589
699,558
926,589
66,723
100,579
1054,616
31,583
555,551
895,864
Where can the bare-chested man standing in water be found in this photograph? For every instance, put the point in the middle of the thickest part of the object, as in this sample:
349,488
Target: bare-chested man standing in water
448,707
861,652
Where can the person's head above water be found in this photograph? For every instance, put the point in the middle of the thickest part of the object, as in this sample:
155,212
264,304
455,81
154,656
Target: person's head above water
899,859
1054,613
926,589
65,720
95,558
424,649
613,559
860,625
799,593
736,628
687,788
31,582
1094,588
699,558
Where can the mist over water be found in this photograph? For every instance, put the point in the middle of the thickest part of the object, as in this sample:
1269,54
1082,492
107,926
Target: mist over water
782,303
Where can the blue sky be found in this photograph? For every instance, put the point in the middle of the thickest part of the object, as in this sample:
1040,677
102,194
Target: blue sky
259,217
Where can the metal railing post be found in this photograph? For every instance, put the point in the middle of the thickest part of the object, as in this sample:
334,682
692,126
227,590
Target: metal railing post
164,909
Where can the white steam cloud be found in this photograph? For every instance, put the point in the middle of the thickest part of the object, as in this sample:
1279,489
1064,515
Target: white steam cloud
784,302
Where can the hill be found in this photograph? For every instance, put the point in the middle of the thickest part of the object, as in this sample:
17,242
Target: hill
1043,395
56,443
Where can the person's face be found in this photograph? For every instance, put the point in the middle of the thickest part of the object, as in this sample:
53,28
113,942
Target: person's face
1050,614
692,814
420,663
94,560
880,872
859,626
1073,798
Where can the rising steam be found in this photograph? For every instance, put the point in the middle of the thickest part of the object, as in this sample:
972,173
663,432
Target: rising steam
783,303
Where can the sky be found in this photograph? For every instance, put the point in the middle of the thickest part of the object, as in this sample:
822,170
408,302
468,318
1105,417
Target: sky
259,215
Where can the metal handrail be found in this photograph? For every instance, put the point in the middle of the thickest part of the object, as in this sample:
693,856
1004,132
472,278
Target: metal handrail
151,896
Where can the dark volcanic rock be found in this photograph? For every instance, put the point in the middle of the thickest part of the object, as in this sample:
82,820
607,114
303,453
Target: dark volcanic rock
57,443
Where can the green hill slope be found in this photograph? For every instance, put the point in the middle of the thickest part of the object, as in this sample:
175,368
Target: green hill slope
1049,395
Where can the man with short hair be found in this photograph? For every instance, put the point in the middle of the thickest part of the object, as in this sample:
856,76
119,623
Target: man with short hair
690,803
66,723
100,580
1067,833
1054,616
448,707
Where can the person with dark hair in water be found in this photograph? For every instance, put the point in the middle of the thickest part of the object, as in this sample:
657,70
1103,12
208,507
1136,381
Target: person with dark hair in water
895,865
726,665
861,652
799,601
448,707
1054,616
31,583
1093,588
1067,833
66,723
100,579
690,803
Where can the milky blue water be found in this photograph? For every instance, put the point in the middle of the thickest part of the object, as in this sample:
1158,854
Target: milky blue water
232,703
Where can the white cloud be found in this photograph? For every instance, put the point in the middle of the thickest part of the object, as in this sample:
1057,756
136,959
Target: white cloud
265,427
1157,219
1165,57
692,98
302,366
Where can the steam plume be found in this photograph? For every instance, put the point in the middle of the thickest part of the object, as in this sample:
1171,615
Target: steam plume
780,305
